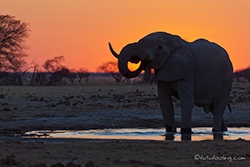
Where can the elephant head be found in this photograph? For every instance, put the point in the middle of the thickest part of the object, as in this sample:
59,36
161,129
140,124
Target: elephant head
152,51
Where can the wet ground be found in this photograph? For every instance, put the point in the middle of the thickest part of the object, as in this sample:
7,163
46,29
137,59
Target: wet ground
198,134
85,107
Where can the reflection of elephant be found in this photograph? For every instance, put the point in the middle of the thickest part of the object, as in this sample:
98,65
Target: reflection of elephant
197,73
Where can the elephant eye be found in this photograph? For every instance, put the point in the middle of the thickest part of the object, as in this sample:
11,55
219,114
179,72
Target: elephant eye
160,47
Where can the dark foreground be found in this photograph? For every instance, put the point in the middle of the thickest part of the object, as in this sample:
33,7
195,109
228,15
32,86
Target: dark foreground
93,153
109,106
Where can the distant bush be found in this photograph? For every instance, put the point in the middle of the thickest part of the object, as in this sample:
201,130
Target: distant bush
242,74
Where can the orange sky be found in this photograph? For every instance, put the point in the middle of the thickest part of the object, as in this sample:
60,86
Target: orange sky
81,29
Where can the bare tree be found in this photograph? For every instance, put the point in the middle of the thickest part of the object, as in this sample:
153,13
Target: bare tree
53,65
57,76
111,69
72,75
83,73
13,34
56,70
33,74
38,75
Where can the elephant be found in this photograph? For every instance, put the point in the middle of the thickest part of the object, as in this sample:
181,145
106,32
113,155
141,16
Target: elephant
197,73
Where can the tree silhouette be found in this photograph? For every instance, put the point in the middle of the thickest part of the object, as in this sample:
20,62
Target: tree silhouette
242,74
38,75
83,73
111,69
57,76
13,34
56,70
53,65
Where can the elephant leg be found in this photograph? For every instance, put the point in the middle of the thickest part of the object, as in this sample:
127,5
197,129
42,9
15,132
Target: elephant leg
220,105
186,96
223,125
218,120
166,104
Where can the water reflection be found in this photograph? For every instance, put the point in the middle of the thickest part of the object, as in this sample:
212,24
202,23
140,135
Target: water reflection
218,136
145,134
184,137
188,137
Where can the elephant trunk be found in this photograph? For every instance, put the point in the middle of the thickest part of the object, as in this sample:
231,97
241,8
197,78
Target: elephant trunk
125,56
123,67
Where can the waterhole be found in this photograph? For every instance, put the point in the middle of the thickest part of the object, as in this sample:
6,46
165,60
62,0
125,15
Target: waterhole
199,134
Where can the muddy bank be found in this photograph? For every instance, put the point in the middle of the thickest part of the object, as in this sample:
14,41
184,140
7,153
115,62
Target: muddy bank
101,106
109,106
36,153
100,119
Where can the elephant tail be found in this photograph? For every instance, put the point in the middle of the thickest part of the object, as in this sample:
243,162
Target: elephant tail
229,107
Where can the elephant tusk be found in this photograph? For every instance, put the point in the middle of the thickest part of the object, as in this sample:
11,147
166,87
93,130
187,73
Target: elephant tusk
112,51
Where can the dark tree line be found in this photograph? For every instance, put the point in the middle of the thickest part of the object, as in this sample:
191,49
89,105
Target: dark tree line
242,74
13,67
53,73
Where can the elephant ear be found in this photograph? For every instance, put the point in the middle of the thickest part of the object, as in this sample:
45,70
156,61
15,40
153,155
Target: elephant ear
178,66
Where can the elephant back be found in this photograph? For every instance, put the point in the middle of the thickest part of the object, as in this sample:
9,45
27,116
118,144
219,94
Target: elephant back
209,57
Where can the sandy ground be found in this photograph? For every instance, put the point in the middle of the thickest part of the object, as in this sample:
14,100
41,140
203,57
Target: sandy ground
95,106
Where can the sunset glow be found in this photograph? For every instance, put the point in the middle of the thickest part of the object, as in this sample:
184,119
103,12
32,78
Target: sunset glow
81,29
